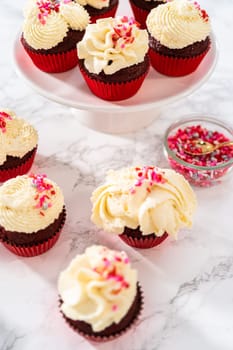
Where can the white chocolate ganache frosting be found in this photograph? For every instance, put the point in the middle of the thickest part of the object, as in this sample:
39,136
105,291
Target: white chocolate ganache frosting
17,137
98,4
29,203
112,44
98,287
47,22
178,23
157,200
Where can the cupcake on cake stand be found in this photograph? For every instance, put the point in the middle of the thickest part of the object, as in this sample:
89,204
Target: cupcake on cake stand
125,116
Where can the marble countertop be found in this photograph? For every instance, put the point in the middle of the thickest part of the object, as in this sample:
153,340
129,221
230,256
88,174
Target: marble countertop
187,283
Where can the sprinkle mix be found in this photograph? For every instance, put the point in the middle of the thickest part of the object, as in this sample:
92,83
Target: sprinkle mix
47,6
3,117
202,12
184,139
44,192
122,34
149,175
107,270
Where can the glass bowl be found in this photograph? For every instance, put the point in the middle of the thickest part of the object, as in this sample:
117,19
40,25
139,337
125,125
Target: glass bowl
199,170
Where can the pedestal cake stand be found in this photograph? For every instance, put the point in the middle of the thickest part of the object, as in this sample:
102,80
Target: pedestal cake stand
126,116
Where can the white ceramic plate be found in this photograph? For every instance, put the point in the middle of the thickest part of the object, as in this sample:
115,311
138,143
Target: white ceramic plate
70,89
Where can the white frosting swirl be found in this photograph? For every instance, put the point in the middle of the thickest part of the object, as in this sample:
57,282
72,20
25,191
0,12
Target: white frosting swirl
111,44
17,138
48,34
19,201
178,23
158,201
98,287
98,4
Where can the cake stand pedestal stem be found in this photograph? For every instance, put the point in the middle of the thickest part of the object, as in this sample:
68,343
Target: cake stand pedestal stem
121,122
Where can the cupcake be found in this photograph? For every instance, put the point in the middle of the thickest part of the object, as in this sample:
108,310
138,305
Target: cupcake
51,31
100,297
141,9
178,37
32,214
113,57
18,145
143,205
99,8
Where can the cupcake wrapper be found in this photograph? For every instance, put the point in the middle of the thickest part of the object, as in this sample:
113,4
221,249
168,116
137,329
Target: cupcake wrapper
144,242
110,13
28,251
139,14
102,339
21,169
175,66
114,91
54,63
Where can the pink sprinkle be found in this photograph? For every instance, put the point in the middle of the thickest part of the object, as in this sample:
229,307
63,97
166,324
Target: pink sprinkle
114,307
139,183
126,260
119,278
106,262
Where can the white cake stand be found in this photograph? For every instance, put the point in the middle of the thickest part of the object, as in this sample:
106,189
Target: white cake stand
126,116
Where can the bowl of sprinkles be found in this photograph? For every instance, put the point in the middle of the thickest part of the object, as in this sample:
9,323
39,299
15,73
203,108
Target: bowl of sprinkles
201,149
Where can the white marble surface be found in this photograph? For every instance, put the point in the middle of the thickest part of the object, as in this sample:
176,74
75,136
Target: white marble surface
187,283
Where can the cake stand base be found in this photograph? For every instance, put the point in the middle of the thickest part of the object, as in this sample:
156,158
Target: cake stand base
121,122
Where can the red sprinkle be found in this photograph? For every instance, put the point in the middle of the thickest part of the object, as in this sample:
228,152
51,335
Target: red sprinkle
3,117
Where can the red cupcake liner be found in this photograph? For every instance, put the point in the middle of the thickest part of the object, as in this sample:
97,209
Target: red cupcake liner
54,63
139,14
144,242
175,66
102,339
110,13
113,91
21,169
28,251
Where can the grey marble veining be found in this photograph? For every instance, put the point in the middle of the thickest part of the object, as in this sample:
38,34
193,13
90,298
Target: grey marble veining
187,283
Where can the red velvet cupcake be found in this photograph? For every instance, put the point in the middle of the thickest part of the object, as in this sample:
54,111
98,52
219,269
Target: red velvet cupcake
113,58
141,9
32,214
102,279
178,37
98,9
143,205
51,32
18,145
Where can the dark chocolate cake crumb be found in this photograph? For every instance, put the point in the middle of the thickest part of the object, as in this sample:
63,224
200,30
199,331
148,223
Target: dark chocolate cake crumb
14,162
98,12
123,75
189,51
146,5
20,238
69,43
113,329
